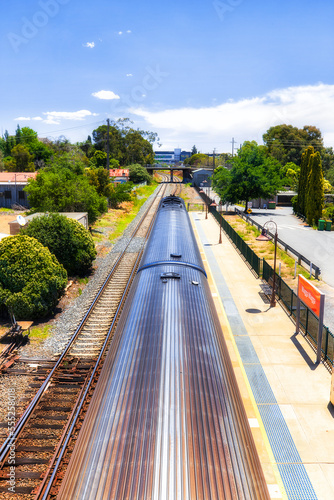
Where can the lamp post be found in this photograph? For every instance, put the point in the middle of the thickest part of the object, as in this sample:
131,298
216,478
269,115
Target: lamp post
263,237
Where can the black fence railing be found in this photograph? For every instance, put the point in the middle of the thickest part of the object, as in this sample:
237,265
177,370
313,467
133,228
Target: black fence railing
250,256
309,322
287,248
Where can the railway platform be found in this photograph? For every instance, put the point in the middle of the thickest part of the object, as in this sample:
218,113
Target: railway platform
286,395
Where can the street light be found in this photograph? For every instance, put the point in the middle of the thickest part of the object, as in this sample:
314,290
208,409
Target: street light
263,237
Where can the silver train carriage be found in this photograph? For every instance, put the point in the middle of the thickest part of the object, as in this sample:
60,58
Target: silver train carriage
166,421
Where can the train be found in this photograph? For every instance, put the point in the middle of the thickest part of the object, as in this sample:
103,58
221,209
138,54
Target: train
166,421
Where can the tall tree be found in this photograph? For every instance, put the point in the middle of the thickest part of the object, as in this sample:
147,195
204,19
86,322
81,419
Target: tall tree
8,142
303,179
315,190
194,150
286,143
254,174
23,160
64,188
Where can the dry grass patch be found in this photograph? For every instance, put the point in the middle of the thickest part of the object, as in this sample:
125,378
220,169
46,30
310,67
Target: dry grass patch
265,249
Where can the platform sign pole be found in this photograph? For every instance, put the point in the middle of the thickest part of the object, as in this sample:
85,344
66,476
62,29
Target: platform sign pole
315,301
297,314
321,324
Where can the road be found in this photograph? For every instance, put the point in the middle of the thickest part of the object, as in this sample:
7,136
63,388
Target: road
317,246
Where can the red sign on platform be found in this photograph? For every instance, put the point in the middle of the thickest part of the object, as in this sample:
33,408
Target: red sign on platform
309,294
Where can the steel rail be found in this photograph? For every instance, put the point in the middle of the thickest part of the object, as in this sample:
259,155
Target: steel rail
11,439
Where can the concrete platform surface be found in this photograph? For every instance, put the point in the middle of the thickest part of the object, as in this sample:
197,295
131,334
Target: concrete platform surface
286,395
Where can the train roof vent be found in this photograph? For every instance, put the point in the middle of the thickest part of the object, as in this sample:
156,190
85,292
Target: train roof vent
176,255
168,276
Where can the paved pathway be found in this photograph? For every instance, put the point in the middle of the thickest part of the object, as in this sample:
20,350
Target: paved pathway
286,395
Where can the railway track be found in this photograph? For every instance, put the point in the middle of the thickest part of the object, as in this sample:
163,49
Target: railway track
46,431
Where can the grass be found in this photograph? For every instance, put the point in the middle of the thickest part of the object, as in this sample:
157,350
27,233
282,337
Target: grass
249,234
113,223
7,210
38,334
124,219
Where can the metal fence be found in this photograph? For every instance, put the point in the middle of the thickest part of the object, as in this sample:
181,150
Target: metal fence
309,322
250,256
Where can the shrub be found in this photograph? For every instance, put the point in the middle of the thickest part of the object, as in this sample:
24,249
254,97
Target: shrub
67,239
137,174
295,205
31,278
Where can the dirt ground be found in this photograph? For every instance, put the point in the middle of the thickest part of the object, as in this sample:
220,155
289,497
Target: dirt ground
5,218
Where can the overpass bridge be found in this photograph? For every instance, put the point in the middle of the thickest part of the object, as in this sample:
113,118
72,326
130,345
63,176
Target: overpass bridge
187,170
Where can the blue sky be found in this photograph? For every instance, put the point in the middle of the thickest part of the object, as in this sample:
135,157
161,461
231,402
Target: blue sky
198,72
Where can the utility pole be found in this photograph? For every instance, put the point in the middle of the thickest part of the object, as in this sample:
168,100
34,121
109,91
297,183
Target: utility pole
108,122
233,142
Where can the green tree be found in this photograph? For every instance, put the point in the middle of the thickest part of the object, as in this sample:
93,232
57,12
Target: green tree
98,159
22,159
303,180
197,159
117,193
315,190
67,239
2,165
254,174
65,189
87,147
137,149
7,143
290,175
99,178
125,144
194,150
100,139
286,143
31,278
138,174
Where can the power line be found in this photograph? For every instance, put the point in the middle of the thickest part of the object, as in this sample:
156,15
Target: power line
58,131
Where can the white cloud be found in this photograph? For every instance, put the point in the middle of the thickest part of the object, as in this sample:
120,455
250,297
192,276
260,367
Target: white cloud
246,119
90,45
105,94
55,117
22,119
120,32
129,31
129,74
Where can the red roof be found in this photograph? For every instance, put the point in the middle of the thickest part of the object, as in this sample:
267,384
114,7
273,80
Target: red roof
119,172
16,176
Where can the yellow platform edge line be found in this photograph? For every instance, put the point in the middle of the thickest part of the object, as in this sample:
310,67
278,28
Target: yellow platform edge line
266,442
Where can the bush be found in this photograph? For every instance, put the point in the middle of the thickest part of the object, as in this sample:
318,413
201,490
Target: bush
67,239
118,193
31,278
328,213
137,174
65,190
294,202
